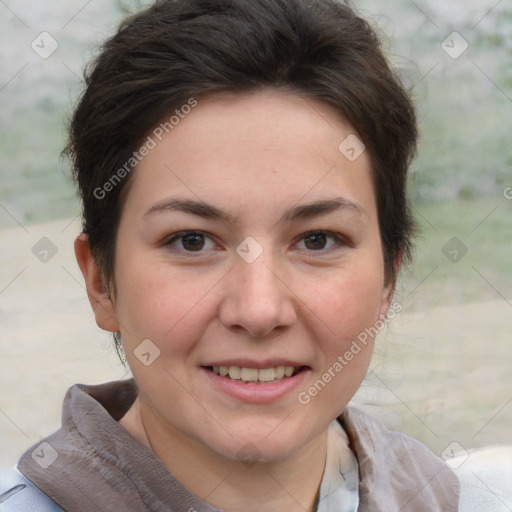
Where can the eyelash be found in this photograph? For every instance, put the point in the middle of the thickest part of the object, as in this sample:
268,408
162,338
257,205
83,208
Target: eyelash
339,241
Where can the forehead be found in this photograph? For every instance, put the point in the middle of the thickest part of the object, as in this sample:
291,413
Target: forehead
254,147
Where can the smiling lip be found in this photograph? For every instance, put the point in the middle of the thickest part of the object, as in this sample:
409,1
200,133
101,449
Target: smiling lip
248,363
256,392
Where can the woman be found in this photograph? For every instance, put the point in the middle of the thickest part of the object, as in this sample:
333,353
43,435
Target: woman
242,166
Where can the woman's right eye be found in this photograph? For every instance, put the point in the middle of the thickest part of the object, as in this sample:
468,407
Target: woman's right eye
191,242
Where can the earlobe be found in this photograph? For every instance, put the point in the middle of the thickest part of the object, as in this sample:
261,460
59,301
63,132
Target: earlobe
387,296
389,287
97,291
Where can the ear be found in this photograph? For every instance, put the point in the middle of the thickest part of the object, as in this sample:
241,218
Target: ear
388,289
97,291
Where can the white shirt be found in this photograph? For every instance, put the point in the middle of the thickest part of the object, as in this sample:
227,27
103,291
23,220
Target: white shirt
339,490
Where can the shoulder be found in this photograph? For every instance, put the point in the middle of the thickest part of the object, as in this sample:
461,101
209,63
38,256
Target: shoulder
398,470
375,440
19,494
480,479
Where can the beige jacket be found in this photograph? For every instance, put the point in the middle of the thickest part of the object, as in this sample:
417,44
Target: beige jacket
92,463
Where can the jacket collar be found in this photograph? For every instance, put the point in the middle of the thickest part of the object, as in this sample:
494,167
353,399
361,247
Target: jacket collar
100,466
397,472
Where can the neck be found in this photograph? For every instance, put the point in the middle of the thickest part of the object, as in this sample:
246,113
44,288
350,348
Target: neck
291,484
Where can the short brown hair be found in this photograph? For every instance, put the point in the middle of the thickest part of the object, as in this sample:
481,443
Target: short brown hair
182,49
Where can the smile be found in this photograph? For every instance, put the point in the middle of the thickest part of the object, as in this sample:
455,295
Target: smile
272,374
263,385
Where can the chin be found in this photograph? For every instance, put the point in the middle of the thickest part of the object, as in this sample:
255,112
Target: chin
275,440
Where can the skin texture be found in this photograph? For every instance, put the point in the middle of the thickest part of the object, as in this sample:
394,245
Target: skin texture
255,156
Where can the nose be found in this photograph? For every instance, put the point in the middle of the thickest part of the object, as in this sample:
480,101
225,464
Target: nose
257,299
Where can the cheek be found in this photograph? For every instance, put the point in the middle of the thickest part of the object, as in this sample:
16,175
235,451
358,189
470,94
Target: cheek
162,305
348,309
347,302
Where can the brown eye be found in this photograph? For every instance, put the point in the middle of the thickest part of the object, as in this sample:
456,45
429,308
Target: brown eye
316,241
193,242
190,242
320,241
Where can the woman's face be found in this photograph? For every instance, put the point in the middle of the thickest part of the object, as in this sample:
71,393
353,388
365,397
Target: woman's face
249,242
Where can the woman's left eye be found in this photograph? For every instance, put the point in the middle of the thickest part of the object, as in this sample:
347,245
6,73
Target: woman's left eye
191,241
318,241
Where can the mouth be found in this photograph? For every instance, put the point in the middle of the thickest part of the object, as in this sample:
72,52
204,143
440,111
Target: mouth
270,375
252,381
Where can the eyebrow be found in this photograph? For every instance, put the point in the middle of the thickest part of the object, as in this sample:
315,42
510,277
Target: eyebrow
301,212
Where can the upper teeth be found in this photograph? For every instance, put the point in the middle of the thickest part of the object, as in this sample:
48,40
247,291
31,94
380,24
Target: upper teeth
254,374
